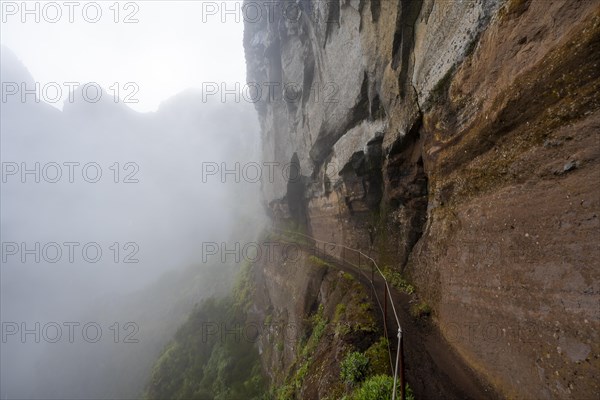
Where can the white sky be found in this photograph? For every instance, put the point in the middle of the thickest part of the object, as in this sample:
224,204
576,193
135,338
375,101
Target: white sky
174,46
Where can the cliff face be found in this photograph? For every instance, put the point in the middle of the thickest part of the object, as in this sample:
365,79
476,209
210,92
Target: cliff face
458,142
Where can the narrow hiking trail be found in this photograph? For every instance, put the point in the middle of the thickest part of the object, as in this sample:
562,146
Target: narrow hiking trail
432,367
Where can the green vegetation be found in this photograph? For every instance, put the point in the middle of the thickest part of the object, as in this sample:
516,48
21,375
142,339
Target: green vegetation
368,373
378,387
354,368
319,262
379,357
279,346
357,314
290,231
352,322
318,323
354,317
340,310
396,280
243,288
285,393
420,309
211,355
347,276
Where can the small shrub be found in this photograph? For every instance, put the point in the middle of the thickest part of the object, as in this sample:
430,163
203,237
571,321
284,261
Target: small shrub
379,387
354,368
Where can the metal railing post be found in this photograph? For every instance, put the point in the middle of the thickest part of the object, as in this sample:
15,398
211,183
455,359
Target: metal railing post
398,351
402,381
384,310
373,279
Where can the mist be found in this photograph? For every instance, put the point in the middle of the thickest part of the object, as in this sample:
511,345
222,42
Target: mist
105,212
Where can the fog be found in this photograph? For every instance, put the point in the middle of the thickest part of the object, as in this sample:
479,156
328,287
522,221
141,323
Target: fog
105,211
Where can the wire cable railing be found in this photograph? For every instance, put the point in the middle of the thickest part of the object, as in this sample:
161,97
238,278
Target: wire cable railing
398,367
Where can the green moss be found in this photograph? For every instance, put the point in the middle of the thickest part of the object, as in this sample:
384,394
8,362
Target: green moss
396,279
285,393
319,325
342,329
379,358
420,309
340,310
359,311
348,276
319,262
301,374
365,307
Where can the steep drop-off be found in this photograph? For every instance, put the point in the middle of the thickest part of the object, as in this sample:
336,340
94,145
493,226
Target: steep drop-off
458,143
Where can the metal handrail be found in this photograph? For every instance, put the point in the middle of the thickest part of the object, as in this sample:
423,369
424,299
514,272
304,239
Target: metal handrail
388,293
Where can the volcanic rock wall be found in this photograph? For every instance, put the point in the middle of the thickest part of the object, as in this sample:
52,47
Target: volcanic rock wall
458,142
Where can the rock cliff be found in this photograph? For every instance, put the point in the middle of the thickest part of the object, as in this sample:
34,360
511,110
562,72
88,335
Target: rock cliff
457,142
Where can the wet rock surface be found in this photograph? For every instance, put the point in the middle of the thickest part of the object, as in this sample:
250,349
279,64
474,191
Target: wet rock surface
457,142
